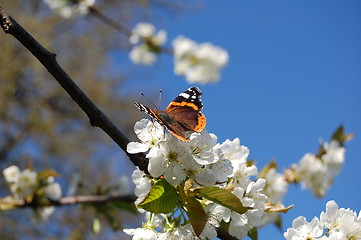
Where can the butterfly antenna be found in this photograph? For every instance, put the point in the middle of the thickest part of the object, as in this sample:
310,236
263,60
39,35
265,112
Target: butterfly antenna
149,100
160,97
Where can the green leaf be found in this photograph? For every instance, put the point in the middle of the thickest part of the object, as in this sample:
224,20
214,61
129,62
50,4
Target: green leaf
196,214
253,233
338,135
162,198
271,207
342,137
223,197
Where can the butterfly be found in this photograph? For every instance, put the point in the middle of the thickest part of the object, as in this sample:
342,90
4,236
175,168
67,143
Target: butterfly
182,116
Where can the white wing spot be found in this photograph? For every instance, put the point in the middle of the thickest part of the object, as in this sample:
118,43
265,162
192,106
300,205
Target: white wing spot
185,95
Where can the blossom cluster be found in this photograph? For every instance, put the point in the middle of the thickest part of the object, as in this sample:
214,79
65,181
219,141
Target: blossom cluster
334,224
69,8
197,62
146,43
275,189
203,162
318,171
31,186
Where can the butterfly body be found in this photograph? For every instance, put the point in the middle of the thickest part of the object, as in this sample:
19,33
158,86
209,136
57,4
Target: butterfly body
182,116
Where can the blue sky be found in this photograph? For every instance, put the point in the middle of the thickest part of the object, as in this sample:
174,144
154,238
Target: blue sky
294,76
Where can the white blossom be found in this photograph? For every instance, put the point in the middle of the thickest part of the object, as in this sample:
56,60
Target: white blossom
199,63
140,54
172,153
319,172
234,151
303,230
237,154
275,189
142,234
11,174
334,224
205,163
150,134
142,185
242,174
334,156
200,159
202,147
25,185
276,186
146,43
221,170
67,8
53,191
313,174
145,31
341,223
178,233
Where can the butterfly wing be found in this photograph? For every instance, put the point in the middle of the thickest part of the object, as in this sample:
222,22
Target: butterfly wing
190,119
145,109
185,109
163,118
182,114
191,95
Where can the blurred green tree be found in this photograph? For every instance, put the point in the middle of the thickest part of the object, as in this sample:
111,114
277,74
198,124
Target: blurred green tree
40,124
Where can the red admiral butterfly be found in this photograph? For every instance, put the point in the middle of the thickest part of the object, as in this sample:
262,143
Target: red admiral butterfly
182,115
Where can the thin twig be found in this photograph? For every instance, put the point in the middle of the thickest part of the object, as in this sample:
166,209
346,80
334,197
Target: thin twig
95,199
69,200
121,28
48,59
114,24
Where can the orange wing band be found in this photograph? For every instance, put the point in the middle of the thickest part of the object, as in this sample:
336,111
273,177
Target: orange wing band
192,105
201,123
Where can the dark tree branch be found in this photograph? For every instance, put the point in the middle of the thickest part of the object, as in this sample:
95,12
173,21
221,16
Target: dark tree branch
48,59
96,116
224,235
